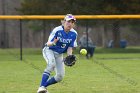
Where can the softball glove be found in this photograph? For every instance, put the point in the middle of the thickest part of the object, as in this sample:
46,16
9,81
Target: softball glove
70,60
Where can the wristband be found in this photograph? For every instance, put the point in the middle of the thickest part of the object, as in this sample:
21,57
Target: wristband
53,44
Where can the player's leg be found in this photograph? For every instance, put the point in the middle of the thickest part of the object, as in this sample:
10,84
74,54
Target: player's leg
49,57
91,51
60,70
88,52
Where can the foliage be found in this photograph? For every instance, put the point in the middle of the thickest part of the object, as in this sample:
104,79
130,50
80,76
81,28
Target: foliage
135,25
35,25
89,7
42,7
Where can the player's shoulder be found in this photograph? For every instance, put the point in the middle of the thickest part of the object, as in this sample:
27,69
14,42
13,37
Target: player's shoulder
56,29
74,31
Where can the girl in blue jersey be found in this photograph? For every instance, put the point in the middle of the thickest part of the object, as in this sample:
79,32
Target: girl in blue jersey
62,39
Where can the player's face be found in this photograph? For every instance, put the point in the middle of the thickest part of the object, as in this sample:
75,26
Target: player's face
68,25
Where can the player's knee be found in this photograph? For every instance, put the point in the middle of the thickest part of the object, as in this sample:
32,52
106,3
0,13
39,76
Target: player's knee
59,77
50,66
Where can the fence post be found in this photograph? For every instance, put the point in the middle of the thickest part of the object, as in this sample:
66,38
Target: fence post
87,31
20,27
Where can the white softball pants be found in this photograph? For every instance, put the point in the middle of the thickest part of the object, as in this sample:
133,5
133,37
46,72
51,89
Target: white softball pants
54,62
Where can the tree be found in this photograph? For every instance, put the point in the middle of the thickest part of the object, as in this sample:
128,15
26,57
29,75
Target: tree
90,7
118,7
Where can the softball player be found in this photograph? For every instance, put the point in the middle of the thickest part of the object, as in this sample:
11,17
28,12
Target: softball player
62,39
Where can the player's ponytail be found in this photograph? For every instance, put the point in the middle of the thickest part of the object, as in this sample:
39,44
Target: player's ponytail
62,22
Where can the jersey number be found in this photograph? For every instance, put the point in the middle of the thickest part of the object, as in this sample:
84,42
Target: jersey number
63,46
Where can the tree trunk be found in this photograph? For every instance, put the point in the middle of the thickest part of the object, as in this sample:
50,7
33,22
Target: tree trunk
116,34
4,42
104,35
44,32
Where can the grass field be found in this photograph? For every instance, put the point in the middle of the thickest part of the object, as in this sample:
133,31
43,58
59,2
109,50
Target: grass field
109,71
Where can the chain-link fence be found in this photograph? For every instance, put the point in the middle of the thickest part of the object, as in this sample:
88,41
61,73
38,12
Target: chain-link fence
35,32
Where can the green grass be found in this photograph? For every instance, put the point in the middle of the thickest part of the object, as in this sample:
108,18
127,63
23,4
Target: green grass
109,71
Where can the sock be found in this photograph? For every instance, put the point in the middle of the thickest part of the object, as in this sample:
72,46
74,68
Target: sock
50,82
45,77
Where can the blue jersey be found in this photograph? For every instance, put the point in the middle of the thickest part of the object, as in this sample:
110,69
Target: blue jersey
66,39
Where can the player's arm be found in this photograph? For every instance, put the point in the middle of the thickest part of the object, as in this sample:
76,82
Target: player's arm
52,38
72,45
52,43
69,51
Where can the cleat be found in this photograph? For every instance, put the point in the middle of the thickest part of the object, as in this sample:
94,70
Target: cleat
42,89
47,91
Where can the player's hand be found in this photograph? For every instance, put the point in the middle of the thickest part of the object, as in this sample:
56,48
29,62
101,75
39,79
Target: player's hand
52,43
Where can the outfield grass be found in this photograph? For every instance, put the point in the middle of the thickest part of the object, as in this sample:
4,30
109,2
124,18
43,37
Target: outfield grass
109,71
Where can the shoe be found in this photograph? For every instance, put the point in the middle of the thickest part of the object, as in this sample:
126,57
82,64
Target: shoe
47,91
42,89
